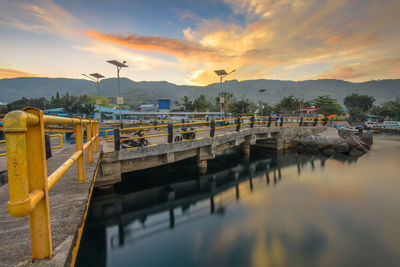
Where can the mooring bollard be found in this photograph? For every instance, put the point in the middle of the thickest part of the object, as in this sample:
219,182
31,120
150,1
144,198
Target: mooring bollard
170,133
48,145
212,131
117,141
238,124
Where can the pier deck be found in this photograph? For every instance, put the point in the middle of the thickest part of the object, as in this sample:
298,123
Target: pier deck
68,205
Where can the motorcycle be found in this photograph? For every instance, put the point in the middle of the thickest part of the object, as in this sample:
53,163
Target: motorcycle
136,142
186,134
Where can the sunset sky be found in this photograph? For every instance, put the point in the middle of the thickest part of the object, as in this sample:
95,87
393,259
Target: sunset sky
184,41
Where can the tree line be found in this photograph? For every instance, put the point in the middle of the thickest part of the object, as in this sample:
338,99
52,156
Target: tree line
289,105
358,105
83,105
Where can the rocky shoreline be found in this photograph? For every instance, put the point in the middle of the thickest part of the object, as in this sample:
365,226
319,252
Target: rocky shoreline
333,141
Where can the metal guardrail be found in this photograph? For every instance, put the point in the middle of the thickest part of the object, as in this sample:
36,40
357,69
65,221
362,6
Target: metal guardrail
60,143
212,126
28,183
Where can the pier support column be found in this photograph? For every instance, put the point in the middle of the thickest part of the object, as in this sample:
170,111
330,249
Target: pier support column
245,149
202,165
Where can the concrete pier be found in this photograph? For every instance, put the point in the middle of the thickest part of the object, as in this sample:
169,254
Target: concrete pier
128,160
202,165
68,206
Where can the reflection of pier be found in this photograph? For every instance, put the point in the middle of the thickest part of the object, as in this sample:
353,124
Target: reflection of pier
132,213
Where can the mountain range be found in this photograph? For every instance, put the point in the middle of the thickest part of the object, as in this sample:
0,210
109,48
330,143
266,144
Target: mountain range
148,92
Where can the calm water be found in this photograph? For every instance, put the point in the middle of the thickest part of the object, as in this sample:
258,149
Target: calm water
269,210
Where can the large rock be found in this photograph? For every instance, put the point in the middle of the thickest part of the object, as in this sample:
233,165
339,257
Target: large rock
322,142
365,144
300,148
363,148
352,141
311,147
343,133
367,137
341,148
356,152
329,151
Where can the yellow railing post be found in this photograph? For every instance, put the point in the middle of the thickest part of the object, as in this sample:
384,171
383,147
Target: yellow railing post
27,176
88,126
95,133
80,162
40,217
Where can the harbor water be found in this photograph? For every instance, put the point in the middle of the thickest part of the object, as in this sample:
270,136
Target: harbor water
281,209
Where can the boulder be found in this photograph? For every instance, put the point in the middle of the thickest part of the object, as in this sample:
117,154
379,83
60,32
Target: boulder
343,133
367,138
341,148
352,141
363,148
329,151
365,144
356,152
322,142
311,147
300,148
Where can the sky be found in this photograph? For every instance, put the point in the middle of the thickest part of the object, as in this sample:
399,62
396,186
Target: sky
183,42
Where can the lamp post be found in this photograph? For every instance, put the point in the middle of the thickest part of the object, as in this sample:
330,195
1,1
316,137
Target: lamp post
119,66
95,77
222,74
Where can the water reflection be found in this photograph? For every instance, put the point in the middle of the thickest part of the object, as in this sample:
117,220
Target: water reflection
284,209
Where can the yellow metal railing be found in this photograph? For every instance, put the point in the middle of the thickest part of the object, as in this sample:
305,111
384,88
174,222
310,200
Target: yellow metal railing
60,141
28,183
275,121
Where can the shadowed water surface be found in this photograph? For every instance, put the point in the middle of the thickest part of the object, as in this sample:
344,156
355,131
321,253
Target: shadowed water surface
269,210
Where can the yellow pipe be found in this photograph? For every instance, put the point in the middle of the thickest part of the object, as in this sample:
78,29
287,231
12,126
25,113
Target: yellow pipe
222,127
25,207
57,174
60,138
58,130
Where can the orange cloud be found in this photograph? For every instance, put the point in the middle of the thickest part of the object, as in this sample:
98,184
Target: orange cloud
171,46
282,39
375,69
341,72
11,73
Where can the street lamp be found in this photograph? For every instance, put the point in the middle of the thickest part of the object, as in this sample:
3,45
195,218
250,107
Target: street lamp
95,77
222,74
119,66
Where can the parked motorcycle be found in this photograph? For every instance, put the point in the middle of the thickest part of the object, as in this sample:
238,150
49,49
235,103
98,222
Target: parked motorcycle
136,142
186,134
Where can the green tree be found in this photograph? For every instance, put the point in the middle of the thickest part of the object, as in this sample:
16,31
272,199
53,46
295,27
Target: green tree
85,106
357,115
327,105
389,109
242,106
289,104
227,97
104,100
356,101
40,103
201,104
187,104
264,108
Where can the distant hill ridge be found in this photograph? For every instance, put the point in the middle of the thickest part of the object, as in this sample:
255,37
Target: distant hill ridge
149,91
